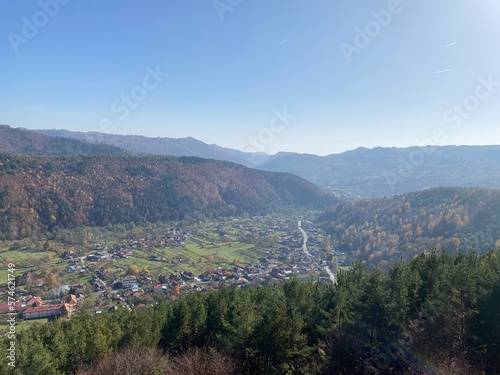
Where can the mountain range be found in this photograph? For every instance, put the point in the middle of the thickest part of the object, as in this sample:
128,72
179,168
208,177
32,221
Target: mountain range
380,172
362,172
139,144
19,141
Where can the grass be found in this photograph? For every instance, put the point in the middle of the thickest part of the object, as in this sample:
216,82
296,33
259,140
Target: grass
22,325
205,250
21,257
192,257
27,324
345,268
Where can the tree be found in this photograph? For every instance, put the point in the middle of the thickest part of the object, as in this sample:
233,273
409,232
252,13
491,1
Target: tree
177,290
51,280
133,270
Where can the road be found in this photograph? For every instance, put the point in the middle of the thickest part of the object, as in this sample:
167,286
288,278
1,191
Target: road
333,276
305,238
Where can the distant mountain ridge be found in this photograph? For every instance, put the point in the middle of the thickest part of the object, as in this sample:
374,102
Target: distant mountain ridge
382,172
362,172
162,146
19,141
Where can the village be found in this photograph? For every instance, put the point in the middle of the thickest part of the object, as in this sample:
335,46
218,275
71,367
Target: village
138,272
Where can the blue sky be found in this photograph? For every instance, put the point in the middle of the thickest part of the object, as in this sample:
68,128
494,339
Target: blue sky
421,72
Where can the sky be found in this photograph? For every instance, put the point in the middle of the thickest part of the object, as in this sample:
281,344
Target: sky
315,76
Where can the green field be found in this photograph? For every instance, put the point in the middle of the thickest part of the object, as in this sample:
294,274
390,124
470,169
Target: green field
243,241
191,257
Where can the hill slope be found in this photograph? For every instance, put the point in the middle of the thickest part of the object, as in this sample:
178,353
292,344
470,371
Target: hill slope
382,172
40,193
163,146
25,142
381,231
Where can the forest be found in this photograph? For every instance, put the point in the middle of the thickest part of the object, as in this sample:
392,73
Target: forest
20,141
384,231
39,194
437,314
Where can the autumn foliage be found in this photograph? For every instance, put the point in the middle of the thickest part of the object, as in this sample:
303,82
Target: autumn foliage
39,194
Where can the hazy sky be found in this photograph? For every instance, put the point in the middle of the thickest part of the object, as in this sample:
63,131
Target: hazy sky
307,76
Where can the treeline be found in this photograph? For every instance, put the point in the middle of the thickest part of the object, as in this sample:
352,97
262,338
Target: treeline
439,314
39,194
383,231
25,142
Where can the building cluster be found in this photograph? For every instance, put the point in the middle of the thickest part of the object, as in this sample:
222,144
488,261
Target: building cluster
35,308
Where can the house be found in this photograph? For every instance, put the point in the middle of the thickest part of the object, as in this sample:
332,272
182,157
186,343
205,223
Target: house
249,277
103,274
28,275
127,293
33,302
147,279
71,269
16,307
162,279
129,281
40,312
240,282
198,288
97,288
137,292
70,299
206,277
68,254
278,273
187,276
158,288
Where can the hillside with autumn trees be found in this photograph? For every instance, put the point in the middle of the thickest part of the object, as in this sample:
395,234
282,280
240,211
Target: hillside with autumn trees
383,231
38,194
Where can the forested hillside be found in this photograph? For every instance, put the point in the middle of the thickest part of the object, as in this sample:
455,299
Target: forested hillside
25,142
381,231
38,194
439,314
138,144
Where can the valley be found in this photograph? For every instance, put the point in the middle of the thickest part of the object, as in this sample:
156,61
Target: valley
249,188
167,260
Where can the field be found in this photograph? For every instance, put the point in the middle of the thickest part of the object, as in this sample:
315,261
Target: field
203,246
191,257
